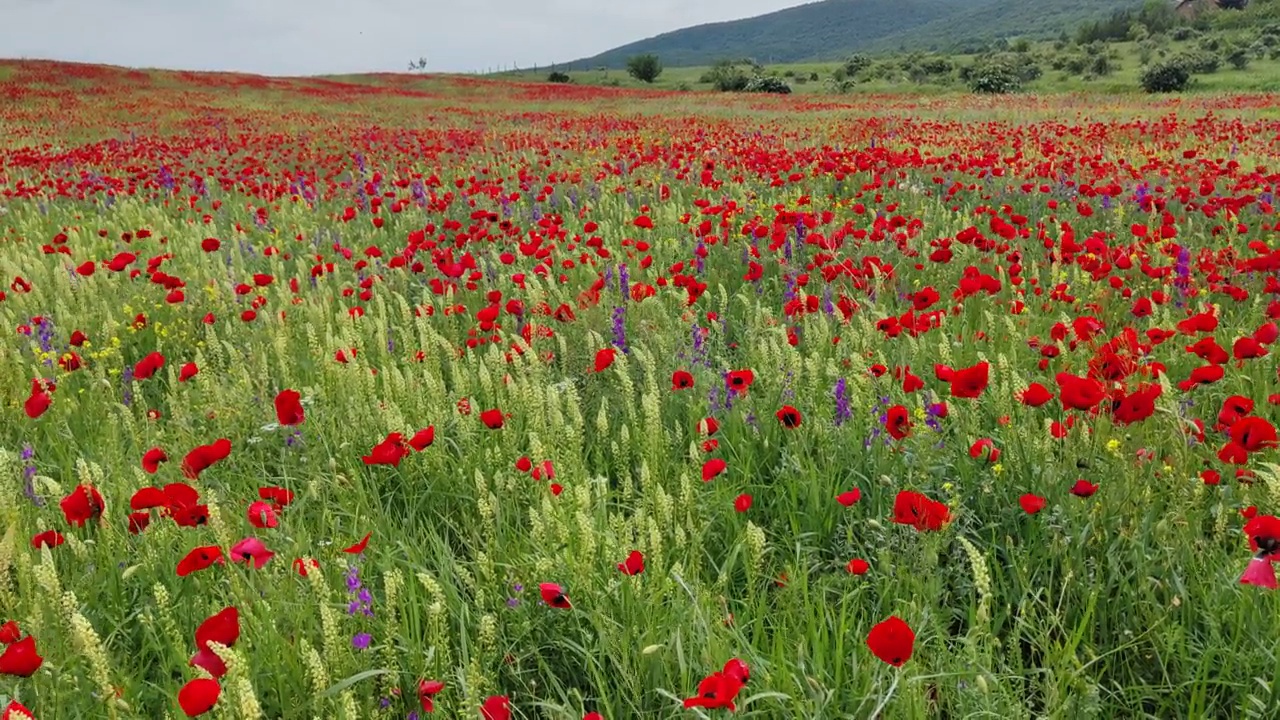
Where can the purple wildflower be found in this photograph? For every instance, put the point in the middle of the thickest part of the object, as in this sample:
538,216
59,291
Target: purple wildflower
362,601
360,641
843,412
620,328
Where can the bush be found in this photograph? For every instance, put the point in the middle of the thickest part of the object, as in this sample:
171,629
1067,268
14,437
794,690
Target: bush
994,78
1198,62
1238,58
726,76
1167,77
645,68
766,84
558,77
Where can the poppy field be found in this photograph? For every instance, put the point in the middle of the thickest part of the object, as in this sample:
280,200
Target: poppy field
411,397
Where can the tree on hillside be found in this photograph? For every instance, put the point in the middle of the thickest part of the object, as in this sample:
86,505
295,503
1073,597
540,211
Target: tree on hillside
855,64
645,68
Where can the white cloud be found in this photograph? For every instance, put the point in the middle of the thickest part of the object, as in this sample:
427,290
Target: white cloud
304,37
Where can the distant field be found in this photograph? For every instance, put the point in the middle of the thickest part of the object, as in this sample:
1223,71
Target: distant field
1262,75
401,397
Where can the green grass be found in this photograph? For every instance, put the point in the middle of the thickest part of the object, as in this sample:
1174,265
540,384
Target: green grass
1125,604
1262,75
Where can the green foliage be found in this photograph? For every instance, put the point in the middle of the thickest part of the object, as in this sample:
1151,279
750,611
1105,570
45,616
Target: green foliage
645,68
728,76
558,77
1199,62
768,84
855,64
833,29
995,77
1153,17
1166,77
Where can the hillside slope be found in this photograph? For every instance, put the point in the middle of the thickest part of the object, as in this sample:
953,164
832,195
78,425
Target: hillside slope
831,29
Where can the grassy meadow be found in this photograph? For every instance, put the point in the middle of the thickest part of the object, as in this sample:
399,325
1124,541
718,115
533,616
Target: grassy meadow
414,396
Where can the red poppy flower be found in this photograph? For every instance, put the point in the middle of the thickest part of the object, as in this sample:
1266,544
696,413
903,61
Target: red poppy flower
919,511
83,504
9,633
681,380
739,381
1138,405
289,408
1083,488
492,419
553,595
422,439
1254,434
1035,395
850,497
712,468
742,503
147,366
187,372
304,565
496,707
21,658
971,381
38,402
262,514
151,460
281,497
48,538
388,452
985,449
251,550
892,640
204,457
789,417
16,711
720,689
222,628
633,565
604,358
858,566
1263,532
199,559
428,689
1079,393
1031,504
897,422
360,546
199,696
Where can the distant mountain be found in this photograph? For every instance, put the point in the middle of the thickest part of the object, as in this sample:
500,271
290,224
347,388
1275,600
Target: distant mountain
832,29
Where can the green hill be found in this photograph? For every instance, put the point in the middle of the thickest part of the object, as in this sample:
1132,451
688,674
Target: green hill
832,29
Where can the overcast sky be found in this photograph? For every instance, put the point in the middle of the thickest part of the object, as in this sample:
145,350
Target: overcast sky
304,37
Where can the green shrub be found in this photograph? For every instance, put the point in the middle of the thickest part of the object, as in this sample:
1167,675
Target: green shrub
558,77
645,68
1166,77
995,78
767,84
1199,62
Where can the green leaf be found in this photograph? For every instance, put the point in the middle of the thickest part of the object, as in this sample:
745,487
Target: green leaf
345,683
